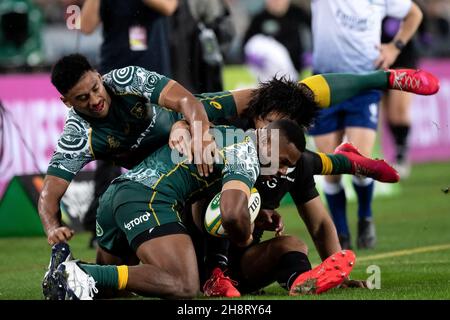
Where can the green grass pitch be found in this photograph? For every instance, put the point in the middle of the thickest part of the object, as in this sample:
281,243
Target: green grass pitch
413,251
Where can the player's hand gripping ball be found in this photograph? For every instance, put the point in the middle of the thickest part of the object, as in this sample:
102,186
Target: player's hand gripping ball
213,217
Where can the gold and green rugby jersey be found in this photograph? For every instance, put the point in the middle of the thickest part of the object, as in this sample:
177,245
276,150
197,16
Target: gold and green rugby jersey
135,125
165,172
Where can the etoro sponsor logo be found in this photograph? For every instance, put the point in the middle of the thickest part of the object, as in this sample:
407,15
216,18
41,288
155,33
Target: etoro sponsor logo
133,223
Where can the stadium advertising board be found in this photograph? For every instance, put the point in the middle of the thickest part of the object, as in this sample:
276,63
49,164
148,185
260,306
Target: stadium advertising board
31,125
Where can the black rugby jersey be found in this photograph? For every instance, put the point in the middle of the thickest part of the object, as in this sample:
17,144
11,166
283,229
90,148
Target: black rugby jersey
299,183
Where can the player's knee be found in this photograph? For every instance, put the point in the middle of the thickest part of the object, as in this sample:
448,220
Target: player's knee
190,291
286,244
186,285
187,288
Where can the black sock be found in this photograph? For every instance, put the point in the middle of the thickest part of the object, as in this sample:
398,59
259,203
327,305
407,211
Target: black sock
400,135
216,253
291,264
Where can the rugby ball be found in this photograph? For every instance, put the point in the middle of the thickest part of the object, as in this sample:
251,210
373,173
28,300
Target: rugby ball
213,218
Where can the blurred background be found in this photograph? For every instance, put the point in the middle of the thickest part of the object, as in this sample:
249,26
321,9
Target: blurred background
35,33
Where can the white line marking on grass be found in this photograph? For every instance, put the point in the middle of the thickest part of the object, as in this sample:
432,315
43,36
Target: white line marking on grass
404,252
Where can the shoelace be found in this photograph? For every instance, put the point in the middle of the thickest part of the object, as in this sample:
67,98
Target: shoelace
88,286
358,169
92,289
402,80
362,171
211,283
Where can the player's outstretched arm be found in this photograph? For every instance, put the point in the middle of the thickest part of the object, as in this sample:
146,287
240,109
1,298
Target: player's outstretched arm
90,16
235,214
49,212
390,51
175,97
320,226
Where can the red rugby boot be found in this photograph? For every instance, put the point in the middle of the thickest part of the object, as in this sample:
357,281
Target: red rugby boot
327,275
220,285
415,81
376,169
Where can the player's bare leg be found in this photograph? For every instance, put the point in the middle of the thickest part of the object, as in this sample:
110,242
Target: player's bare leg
168,269
279,259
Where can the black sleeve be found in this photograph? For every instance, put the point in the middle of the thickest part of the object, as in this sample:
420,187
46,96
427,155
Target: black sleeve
304,188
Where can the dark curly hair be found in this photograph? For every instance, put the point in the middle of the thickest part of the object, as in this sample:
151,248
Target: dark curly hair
291,131
68,70
280,95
